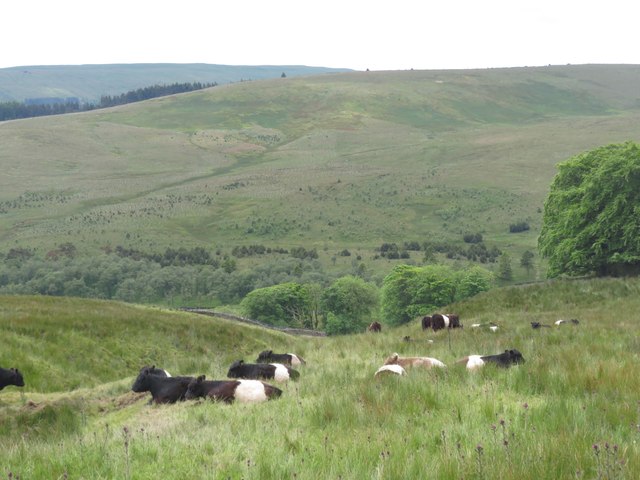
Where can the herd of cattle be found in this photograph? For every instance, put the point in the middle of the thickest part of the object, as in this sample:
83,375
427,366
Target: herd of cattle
248,386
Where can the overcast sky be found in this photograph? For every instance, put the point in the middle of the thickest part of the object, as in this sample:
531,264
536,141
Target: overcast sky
389,35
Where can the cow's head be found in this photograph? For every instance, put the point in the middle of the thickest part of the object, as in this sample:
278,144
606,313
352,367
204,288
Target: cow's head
234,369
142,382
195,388
393,359
265,355
16,377
515,356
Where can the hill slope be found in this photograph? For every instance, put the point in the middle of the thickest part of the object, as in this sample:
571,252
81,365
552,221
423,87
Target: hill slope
337,161
573,402
89,82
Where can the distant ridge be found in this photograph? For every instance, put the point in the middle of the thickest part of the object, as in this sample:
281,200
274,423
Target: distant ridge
89,82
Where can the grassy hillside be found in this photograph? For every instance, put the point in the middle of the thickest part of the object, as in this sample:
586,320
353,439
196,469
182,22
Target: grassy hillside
89,82
570,411
338,161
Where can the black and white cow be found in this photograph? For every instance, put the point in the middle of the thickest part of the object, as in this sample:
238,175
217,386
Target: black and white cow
506,359
228,391
438,321
10,376
257,371
267,356
560,322
163,389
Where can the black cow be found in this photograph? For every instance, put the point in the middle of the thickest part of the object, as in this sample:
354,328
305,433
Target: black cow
163,389
229,390
267,356
506,359
11,376
439,321
536,325
257,371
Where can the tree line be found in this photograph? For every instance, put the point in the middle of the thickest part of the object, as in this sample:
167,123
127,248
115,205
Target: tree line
15,110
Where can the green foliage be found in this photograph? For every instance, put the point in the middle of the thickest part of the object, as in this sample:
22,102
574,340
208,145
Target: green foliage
505,271
411,291
472,281
590,222
287,304
349,302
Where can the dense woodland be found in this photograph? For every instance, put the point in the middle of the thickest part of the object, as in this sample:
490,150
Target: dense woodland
55,106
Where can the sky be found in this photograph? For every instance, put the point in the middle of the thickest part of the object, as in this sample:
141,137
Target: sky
370,34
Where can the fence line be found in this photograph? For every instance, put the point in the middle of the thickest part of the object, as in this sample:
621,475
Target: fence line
238,318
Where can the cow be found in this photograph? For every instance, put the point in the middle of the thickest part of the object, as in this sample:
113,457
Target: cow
406,362
163,389
491,326
504,360
156,371
439,321
393,369
10,376
267,356
374,327
536,325
560,322
258,371
245,391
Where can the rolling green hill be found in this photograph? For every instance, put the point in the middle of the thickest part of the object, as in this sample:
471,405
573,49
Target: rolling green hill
332,162
571,410
88,83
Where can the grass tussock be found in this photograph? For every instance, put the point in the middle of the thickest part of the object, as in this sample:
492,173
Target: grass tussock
570,411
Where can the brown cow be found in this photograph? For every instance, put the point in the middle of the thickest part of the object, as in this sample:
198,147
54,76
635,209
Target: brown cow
374,327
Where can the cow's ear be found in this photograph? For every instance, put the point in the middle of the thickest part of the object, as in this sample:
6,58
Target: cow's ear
152,367
270,352
200,378
241,362
395,356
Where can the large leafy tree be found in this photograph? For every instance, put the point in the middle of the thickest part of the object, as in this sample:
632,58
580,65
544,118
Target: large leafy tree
591,222
349,302
286,304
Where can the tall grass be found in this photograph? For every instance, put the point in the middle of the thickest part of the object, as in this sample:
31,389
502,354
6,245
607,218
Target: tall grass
571,411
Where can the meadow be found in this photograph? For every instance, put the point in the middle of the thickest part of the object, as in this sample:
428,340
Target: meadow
570,411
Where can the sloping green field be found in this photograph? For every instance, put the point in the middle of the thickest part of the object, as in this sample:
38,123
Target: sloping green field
570,411
336,161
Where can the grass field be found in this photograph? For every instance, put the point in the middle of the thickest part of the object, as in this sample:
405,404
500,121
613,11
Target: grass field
570,411
336,161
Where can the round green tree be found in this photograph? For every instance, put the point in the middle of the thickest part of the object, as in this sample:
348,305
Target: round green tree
591,221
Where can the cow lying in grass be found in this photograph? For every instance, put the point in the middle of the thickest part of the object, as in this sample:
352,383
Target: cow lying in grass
267,356
258,371
390,370
10,376
506,359
163,389
228,391
407,362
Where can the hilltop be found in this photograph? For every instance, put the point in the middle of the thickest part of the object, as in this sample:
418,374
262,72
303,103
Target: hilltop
87,83
342,161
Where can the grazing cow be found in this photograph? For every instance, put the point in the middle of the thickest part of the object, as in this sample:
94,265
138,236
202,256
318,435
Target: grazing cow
267,356
11,376
156,371
374,327
257,371
506,359
406,362
560,322
246,391
439,321
390,370
163,389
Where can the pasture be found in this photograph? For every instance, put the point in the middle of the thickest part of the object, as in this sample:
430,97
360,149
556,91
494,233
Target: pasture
570,411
